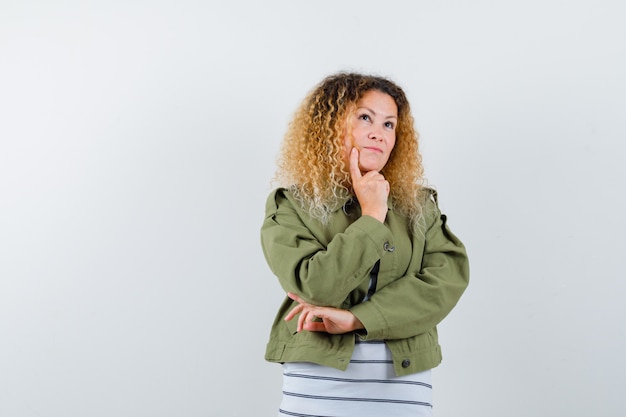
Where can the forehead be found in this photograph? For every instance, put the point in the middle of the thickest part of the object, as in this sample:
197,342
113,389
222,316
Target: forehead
378,101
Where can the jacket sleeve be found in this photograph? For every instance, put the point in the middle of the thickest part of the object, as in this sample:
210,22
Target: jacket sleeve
321,273
418,301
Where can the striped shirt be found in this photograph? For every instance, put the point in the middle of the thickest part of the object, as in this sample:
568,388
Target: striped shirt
369,387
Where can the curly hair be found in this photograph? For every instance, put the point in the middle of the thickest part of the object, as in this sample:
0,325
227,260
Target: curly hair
311,162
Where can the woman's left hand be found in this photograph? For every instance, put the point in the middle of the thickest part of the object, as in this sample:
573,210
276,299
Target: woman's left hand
333,320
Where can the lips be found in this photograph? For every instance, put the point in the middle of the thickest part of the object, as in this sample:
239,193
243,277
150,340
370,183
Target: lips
373,149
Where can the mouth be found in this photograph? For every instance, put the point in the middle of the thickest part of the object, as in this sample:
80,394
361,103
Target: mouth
373,149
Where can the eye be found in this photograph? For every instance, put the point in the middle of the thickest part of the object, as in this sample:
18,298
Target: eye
390,125
365,117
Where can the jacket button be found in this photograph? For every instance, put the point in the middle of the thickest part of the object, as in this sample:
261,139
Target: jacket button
388,247
406,363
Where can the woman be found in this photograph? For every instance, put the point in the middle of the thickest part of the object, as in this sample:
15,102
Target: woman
366,258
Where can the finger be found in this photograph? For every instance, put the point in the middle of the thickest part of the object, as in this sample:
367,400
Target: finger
302,320
315,326
293,312
373,175
355,171
297,299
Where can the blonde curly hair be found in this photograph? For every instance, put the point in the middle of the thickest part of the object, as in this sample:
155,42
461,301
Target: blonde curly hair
311,162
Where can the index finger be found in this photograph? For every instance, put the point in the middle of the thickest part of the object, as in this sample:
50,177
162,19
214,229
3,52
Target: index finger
355,171
295,298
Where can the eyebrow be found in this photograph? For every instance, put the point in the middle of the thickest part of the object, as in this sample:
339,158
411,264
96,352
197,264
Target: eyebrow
391,116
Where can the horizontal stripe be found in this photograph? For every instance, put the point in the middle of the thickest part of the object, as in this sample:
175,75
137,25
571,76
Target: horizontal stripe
289,413
350,380
356,399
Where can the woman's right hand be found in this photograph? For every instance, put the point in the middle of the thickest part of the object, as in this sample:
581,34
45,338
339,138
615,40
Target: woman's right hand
371,189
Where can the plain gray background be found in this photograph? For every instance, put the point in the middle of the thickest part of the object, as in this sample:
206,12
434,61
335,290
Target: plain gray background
137,144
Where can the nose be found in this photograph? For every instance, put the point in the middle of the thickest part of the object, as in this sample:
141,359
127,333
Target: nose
376,133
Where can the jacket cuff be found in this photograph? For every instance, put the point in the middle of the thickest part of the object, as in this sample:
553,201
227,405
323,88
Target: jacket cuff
373,321
377,232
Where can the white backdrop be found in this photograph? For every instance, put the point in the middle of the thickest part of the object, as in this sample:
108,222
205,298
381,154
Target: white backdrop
137,144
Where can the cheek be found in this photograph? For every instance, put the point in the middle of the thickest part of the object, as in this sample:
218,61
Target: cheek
347,147
358,130
391,142
347,140
392,145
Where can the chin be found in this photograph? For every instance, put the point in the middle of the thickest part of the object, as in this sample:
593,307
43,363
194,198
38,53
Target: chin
367,168
371,165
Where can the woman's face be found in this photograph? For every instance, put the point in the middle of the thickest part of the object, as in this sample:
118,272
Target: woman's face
373,130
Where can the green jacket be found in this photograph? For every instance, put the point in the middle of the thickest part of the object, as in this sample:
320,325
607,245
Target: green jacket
421,277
